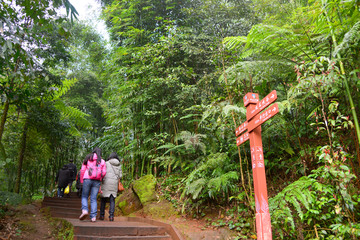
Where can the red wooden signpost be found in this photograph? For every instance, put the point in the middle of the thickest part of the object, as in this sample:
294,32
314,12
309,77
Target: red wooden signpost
253,126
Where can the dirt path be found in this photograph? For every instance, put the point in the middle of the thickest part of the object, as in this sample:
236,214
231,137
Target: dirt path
197,230
25,222
193,229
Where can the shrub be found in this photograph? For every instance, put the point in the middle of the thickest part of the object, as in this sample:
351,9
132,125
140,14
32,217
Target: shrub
319,205
10,198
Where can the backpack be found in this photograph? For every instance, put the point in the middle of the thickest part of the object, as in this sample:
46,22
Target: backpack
95,171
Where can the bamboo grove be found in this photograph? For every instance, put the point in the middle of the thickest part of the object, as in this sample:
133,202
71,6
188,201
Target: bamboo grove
165,92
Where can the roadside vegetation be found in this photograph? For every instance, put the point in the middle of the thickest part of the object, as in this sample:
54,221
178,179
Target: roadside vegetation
166,94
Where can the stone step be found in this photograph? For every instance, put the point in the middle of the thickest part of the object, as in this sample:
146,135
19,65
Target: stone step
63,199
61,202
73,215
63,212
124,228
65,209
87,237
64,205
73,194
116,228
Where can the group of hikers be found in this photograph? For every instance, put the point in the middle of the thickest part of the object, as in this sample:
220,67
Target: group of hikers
95,176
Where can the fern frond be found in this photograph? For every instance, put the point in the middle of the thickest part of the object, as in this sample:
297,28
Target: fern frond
279,42
192,140
215,183
352,37
216,160
75,116
234,42
296,195
167,146
229,108
228,178
195,187
66,85
283,215
293,200
74,131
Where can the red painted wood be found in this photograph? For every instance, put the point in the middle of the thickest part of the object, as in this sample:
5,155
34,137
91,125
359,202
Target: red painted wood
253,125
261,105
263,222
251,98
263,117
241,128
243,138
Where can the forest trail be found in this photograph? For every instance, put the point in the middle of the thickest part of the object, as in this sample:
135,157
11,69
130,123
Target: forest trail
126,228
174,228
31,221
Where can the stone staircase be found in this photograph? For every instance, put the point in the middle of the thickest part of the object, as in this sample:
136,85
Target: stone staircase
124,228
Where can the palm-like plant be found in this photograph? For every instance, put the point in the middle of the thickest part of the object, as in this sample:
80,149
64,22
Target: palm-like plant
305,35
193,140
211,179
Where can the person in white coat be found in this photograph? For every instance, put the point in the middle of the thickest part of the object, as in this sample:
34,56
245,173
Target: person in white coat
109,185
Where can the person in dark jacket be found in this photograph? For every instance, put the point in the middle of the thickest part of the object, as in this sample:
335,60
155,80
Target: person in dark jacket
62,180
73,171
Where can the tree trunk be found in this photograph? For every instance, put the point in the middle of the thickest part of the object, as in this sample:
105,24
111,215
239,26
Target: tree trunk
3,118
46,179
2,127
21,157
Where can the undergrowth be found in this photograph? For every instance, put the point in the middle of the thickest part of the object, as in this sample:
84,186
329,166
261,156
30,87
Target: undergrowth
235,216
62,229
323,205
10,198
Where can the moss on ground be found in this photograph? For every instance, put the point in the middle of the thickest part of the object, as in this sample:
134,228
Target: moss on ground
160,210
127,203
144,188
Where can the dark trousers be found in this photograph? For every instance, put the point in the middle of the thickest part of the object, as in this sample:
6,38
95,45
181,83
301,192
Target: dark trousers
112,206
79,191
60,192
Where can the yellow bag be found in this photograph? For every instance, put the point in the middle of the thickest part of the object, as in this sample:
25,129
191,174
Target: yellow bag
67,190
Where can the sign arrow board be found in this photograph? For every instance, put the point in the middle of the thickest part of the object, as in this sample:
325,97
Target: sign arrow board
263,117
261,105
250,98
241,128
243,138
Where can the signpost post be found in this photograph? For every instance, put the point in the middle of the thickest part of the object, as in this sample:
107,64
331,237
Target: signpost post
253,126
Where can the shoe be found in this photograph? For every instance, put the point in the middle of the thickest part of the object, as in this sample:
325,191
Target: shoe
111,219
83,215
93,219
101,218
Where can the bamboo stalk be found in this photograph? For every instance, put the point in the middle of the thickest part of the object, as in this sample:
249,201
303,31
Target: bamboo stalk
342,69
235,124
316,232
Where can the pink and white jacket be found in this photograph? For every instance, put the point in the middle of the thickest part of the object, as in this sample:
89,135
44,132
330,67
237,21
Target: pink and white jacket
92,170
